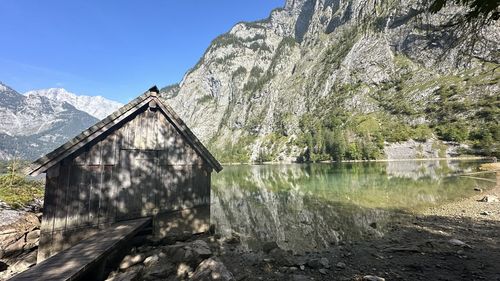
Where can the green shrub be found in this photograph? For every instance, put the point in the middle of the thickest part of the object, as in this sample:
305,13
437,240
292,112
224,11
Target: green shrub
205,99
353,152
256,72
396,132
421,133
456,132
17,191
254,46
238,152
226,59
486,139
240,71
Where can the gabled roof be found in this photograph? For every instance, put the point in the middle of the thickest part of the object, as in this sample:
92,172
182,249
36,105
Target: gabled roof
45,162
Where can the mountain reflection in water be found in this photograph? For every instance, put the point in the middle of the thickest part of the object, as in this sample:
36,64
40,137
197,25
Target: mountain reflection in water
307,207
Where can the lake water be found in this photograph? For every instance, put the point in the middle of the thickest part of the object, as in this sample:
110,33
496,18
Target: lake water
306,207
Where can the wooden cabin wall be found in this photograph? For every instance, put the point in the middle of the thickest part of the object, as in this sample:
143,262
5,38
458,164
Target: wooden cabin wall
144,167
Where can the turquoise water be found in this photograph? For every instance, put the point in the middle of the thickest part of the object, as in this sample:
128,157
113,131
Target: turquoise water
306,207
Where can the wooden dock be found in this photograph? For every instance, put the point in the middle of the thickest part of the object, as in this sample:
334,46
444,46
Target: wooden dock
75,262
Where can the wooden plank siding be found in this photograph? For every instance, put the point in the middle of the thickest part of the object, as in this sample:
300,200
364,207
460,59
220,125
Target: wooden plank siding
141,168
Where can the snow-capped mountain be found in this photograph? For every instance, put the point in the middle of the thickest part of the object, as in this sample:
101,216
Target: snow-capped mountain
32,125
97,106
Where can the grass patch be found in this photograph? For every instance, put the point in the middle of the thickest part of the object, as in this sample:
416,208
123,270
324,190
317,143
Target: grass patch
18,191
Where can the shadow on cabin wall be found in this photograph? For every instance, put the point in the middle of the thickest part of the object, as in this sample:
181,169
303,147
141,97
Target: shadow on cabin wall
142,167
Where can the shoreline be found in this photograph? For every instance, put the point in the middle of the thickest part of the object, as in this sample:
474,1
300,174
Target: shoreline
471,207
456,240
463,158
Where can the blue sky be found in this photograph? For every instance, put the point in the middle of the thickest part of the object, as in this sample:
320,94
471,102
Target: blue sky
116,49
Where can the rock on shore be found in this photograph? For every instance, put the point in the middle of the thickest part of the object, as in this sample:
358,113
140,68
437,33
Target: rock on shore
19,237
172,260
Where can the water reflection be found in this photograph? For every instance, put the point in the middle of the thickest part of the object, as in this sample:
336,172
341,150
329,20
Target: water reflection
307,207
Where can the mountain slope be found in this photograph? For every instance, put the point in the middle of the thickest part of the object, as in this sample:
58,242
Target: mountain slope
97,106
33,125
329,79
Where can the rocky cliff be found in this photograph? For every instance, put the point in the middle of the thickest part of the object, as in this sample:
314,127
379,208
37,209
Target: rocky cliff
330,79
97,106
34,124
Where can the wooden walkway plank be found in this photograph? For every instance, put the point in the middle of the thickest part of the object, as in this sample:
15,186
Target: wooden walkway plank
72,263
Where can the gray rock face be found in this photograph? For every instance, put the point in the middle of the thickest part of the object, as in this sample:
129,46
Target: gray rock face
99,107
261,78
19,236
33,125
212,269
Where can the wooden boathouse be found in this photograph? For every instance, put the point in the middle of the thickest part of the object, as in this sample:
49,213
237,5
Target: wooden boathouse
140,162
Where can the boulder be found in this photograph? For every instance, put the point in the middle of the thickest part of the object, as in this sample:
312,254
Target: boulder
190,256
314,263
192,253
456,242
8,238
132,274
341,265
30,257
33,236
14,249
184,271
25,261
131,260
31,245
159,270
176,253
324,262
372,278
282,257
201,249
39,216
29,222
268,246
212,269
149,261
